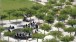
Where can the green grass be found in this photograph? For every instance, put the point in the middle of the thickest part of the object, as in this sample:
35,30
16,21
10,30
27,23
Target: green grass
6,5
14,4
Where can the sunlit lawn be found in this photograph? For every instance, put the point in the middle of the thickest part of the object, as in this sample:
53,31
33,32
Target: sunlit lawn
14,4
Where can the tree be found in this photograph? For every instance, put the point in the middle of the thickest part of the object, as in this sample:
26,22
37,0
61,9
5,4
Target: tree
1,29
56,34
28,30
73,13
17,14
11,34
30,13
43,10
9,12
59,4
52,40
70,30
62,17
59,25
45,27
40,15
38,36
62,1
66,10
49,18
71,0
51,12
55,10
71,22
49,6
2,17
36,7
68,3
52,1
75,31
67,38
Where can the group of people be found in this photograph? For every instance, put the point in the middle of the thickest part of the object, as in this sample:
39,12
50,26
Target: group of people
23,35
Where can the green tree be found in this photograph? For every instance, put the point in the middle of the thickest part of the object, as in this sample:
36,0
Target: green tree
73,13
30,13
56,34
62,1
9,12
70,30
9,34
38,36
49,6
49,18
62,17
1,29
2,17
52,40
40,15
59,25
45,27
37,7
28,30
68,3
71,22
75,31
66,10
71,0
52,1
43,10
23,10
17,14
67,38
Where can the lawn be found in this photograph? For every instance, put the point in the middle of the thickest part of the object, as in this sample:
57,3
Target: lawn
14,4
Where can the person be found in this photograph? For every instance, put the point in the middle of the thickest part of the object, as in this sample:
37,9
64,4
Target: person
12,27
36,27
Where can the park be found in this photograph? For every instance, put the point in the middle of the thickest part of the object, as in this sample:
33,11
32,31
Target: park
37,20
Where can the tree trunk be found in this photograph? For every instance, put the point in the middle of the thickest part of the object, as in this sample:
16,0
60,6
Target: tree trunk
2,23
37,39
18,40
55,37
0,35
70,33
38,20
26,40
58,29
44,32
75,33
30,19
9,17
8,38
16,20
